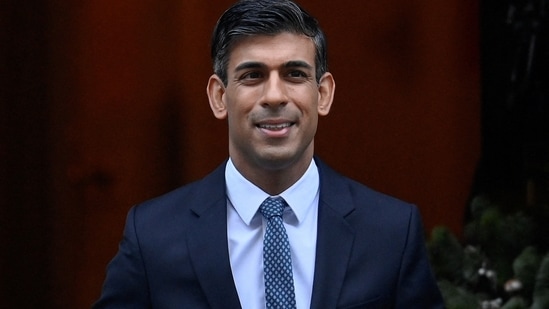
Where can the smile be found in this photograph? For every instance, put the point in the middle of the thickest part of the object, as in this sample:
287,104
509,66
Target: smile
274,127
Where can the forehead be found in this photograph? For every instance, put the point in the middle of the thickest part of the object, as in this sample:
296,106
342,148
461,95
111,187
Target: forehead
273,50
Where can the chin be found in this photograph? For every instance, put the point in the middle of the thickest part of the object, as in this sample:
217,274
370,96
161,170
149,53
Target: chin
279,160
275,163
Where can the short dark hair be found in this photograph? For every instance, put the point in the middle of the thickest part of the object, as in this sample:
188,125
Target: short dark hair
264,17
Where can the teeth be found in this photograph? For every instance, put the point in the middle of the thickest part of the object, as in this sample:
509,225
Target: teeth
274,126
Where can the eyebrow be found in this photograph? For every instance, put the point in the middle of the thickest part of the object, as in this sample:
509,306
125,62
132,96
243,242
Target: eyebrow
289,64
298,64
249,65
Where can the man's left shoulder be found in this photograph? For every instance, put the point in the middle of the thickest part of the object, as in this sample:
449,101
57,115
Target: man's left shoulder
361,195
373,200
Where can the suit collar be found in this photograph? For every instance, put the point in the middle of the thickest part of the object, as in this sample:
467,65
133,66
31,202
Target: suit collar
209,191
335,237
246,197
208,247
334,191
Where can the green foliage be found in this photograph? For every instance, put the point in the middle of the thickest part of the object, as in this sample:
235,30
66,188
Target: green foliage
446,254
541,290
457,297
515,303
499,264
525,268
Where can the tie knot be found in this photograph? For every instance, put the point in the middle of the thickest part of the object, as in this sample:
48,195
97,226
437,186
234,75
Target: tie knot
272,206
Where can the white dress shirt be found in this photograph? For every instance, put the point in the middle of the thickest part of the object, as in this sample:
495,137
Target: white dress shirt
246,227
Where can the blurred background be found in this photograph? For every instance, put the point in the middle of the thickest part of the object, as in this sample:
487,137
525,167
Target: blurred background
103,105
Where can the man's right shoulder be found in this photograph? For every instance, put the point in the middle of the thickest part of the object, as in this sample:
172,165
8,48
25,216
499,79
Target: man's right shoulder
205,191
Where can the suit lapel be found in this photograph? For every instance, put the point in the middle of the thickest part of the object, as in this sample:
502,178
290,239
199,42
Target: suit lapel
334,240
209,252
208,247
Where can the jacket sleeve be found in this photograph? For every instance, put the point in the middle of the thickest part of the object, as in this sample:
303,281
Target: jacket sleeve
417,287
126,284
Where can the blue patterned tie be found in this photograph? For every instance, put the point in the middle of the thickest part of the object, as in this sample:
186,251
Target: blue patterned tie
277,260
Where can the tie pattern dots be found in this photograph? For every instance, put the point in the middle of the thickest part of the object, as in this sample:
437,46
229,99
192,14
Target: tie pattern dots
277,260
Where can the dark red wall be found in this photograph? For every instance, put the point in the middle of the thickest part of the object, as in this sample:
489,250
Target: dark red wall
125,117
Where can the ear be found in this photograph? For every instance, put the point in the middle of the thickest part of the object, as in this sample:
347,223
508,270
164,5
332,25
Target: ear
326,91
216,92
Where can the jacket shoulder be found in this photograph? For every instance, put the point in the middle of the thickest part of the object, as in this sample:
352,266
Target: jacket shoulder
349,194
183,201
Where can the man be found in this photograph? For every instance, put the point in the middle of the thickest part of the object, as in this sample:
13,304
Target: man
209,244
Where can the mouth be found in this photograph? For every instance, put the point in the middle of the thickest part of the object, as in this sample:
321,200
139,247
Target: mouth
275,127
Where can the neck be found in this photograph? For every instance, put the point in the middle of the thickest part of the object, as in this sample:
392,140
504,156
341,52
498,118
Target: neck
277,179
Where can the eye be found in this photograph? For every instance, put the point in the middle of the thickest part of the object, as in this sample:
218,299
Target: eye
251,75
250,78
297,74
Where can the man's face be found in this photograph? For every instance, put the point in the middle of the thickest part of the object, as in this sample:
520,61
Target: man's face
272,101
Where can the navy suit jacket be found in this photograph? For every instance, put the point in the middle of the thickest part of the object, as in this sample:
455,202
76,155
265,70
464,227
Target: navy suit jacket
174,253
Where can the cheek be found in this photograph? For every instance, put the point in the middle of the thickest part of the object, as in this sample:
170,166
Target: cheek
309,106
238,117
241,101
308,96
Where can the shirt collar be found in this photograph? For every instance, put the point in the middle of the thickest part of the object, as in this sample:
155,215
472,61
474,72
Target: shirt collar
246,197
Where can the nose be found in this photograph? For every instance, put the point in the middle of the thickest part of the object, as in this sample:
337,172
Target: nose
274,91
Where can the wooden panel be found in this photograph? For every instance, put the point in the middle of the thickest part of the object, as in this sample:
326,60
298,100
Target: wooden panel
117,114
406,113
131,118
406,116
25,190
204,138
